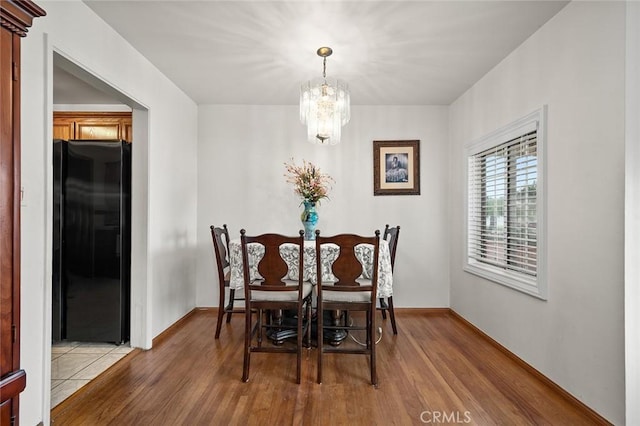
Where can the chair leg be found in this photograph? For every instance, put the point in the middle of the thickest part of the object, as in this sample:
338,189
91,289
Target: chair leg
383,308
372,344
320,338
308,324
220,313
232,297
247,345
260,324
392,315
299,342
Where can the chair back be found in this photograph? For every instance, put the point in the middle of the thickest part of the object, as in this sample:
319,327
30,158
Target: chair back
347,268
391,235
273,270
220,238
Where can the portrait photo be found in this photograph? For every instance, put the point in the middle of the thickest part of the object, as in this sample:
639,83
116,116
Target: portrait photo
396,167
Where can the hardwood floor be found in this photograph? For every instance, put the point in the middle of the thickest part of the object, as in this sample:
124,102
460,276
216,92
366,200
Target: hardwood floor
437,370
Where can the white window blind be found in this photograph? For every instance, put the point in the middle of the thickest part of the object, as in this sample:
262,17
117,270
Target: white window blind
505,199
502,219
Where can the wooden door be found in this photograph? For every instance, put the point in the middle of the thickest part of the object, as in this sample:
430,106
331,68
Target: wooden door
6,203
16,17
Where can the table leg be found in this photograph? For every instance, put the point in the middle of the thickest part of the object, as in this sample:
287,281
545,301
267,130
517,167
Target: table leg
330,318
278,318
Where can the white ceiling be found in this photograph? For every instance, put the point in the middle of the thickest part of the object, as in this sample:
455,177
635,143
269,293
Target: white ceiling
69,89
389,52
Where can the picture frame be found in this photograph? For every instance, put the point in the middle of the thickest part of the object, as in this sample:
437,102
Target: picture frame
396,167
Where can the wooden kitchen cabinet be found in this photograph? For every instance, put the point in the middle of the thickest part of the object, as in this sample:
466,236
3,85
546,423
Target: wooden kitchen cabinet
92,125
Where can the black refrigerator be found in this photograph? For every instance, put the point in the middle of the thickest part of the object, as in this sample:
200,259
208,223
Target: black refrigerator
91,241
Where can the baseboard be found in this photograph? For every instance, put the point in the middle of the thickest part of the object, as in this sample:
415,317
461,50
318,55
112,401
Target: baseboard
169,330
422,311
531,370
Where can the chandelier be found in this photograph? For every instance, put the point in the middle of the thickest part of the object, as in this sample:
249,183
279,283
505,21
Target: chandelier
324,105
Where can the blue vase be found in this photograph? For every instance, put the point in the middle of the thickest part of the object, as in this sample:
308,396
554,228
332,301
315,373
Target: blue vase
309,218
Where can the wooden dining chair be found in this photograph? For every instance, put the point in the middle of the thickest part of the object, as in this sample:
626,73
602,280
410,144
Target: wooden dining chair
348,292
275,290
220,236
391,236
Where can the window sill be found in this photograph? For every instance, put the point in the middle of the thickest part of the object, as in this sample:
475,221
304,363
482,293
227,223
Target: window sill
519,282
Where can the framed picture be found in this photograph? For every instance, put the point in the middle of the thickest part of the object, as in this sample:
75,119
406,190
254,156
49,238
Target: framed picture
396,167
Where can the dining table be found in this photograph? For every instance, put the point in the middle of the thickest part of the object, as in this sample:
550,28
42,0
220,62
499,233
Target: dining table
328,254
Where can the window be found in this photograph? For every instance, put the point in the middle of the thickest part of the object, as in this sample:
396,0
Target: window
505,236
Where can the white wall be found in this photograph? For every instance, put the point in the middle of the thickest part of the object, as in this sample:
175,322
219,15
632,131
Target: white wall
241,154
632,216
169,160
575,64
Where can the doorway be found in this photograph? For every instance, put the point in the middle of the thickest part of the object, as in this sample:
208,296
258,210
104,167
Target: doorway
74,364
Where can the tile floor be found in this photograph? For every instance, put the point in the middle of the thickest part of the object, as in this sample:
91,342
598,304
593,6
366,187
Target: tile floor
74,364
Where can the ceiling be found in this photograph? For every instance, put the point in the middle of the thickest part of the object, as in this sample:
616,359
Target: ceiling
69,89
389,52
